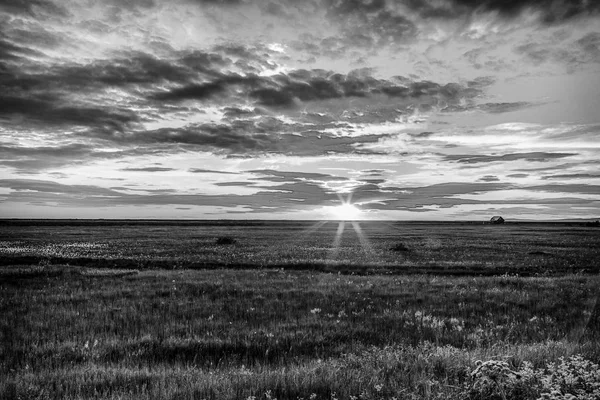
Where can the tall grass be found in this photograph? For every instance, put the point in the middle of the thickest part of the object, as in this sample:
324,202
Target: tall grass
231,334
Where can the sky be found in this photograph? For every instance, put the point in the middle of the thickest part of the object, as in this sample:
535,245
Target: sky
287,109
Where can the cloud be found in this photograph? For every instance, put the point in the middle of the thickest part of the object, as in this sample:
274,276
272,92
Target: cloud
35,159
55,188
550,11
572,53
50,111
532,156
134,68
571,176
280,198
422,134
199,91
234,183
568,188
371,19
32,7
497,108
245,137
276,176
148,169
287,90
209,171
590,43
489,178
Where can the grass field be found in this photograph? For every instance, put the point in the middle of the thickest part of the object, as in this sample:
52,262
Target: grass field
359,247
289,311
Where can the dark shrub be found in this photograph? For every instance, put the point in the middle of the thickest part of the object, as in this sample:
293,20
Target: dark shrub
399,247
224,240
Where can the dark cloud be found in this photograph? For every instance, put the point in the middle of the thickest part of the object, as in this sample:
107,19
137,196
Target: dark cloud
216,136
571,176
10,51
273,97
373,181
287,90
217,2
201,91
34,159
422,134
295,175
489,178
481,82
558,167
50,110
281,198
131,188
32,7
148,169
550,11
533,156
237,112
538,53
372,20
573,54
492,108
406,198
133,68
449,195
248,137
590,42
498,108
321,85
234,183
517,175
209,171
568,188
198,91
56,188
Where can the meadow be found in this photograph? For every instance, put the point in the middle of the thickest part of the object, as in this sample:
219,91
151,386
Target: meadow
349,247
298,311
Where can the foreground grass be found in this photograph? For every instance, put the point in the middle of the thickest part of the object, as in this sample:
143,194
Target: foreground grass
230,334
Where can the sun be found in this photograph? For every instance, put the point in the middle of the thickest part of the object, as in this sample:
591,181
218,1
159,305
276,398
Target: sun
345,211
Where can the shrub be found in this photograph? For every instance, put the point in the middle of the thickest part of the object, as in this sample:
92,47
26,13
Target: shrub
495,380
225,240
573,378
399,247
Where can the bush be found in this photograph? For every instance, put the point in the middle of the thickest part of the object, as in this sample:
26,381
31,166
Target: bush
570,379
495,380
399,247
225,240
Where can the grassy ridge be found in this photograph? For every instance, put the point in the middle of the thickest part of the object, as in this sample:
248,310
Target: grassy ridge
237,333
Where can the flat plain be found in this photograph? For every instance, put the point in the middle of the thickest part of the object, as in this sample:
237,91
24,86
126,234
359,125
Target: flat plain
291,310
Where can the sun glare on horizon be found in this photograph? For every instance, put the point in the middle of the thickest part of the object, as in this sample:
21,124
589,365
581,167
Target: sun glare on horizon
345,211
